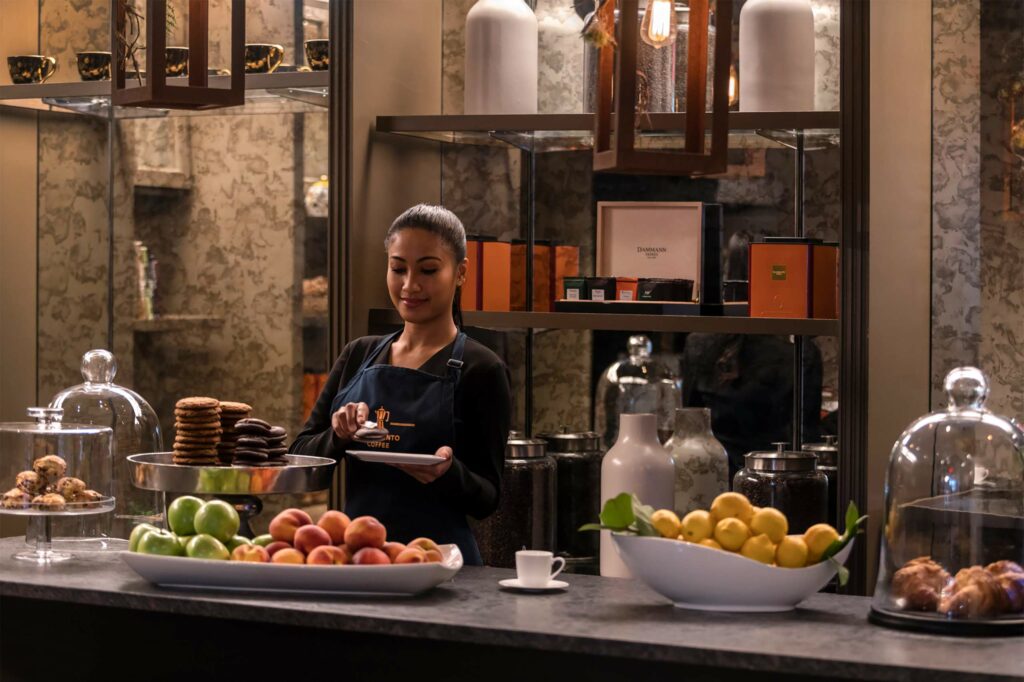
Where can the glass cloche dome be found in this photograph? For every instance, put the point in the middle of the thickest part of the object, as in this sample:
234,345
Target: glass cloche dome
136,427
953,539
636,384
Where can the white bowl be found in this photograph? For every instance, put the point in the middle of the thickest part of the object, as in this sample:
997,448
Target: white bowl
696,577
403,579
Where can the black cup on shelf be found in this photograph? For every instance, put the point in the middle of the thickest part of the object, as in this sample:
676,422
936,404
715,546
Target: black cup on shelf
318,54
263,58
177,62
31,68
94,66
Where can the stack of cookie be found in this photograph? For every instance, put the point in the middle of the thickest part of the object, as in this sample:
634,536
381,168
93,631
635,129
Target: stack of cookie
259,443
197,431
230,413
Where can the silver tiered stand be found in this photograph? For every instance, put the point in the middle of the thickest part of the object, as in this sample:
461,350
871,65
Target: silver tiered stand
237,484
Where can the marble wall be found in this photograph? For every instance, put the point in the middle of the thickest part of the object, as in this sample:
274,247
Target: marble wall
977,233
217,198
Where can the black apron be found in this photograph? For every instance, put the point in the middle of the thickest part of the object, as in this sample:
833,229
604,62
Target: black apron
418,410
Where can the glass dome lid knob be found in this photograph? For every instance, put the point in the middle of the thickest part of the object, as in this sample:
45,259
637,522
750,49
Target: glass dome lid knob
966,387
99,366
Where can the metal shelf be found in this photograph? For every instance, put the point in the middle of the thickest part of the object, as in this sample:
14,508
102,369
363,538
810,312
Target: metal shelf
562,132
629,322
265,93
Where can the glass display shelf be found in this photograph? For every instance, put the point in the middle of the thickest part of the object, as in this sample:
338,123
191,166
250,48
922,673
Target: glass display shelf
630,322
569,132
265,93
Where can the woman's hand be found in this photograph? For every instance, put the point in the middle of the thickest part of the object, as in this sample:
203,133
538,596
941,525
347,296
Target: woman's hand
429,474
348,419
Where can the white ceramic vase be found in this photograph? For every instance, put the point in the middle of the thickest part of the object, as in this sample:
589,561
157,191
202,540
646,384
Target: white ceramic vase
701,462
777,55
501,58
637,464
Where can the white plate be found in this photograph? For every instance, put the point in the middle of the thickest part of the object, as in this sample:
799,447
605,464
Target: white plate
404,579
388,457
696,577
552,586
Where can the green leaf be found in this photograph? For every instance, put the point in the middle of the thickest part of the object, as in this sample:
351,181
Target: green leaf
618,512
842,572
643,513
590,526
854,527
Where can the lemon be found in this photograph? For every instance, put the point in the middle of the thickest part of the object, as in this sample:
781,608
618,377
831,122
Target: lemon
771,522
665,522
759,548
818,537
732,506
697,525
791,552
731,534
708,542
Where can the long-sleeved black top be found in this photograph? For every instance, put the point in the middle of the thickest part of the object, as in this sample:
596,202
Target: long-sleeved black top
483,410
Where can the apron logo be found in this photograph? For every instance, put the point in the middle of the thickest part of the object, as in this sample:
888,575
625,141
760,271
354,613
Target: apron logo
383,416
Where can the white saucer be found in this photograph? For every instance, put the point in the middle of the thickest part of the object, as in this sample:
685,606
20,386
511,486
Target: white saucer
552,586
388,457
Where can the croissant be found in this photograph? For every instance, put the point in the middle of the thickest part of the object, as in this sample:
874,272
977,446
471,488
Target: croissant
975,593
919,584
1004,566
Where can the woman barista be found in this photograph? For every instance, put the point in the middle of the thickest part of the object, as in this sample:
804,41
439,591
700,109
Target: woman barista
433,389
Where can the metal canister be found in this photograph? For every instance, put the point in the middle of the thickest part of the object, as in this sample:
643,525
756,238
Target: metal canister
578,456
787,481
828,463
525,518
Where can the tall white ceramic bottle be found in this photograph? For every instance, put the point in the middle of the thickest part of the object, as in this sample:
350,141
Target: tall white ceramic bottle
637,464
501,58
777,55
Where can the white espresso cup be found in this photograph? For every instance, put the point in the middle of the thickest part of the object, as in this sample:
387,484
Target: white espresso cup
533,567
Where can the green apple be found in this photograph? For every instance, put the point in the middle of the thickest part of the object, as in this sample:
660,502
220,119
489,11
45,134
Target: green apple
207,547
236,541
137,533
182,513
183,540
160,542
263,540
219,519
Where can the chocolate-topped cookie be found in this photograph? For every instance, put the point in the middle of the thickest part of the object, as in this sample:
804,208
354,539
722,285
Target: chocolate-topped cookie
252,442
248,454
277,452
253,421
278,432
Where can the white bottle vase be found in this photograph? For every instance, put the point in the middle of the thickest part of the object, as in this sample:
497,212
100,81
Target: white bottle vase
501,58
777,55
637,464
701,463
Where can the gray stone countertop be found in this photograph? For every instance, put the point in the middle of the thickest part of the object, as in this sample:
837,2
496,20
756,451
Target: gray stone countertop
828,635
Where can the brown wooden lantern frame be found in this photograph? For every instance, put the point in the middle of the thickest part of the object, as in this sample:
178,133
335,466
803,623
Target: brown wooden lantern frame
155,92
617,97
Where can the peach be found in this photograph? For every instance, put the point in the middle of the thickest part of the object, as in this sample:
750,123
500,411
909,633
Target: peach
412,555
284,525
348,553
309,537
365,531
335,523
393,549
370,555
253,553
288,556
434,556
426,544
275,547
328,555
